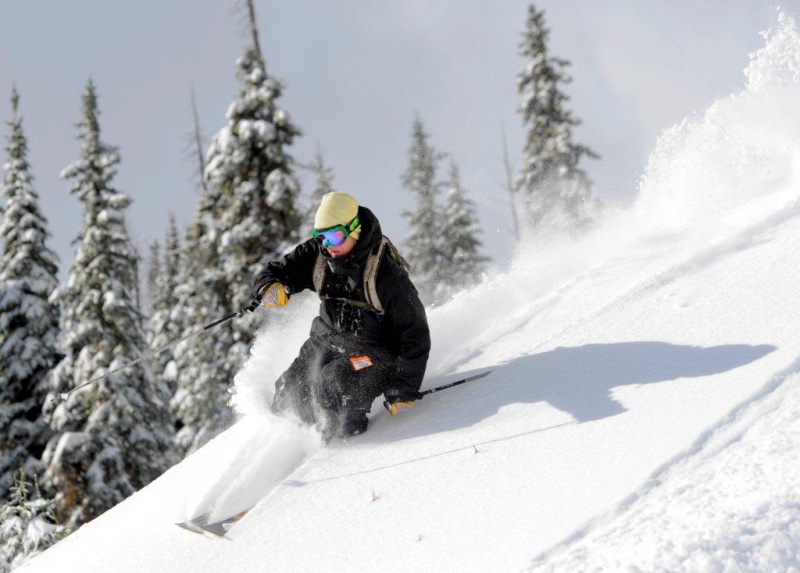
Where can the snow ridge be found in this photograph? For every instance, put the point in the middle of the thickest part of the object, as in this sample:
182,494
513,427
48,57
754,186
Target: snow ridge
758,535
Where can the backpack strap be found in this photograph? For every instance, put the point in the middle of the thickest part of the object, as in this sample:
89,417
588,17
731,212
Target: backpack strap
370,283
370,276
318,277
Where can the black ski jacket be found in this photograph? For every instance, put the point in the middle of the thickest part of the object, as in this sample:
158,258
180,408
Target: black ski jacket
402,329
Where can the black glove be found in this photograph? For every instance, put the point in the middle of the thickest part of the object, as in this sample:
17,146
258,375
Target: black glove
401,395
400,400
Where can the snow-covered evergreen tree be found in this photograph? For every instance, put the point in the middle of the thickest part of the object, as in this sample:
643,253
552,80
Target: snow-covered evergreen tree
28,321
463,265
153,271
162,330
323,184
246,216
253,178
254,218
27,524
555,190
114,435
423,244
204,376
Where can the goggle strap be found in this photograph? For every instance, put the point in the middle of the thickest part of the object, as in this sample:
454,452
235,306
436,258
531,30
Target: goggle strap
353,225
350,227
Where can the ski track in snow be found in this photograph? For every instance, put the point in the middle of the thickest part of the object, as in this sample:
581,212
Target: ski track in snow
730,503
645,532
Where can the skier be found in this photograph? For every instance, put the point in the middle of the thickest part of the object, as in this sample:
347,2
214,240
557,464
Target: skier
371,336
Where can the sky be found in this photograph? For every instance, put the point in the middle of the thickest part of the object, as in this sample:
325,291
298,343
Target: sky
356,74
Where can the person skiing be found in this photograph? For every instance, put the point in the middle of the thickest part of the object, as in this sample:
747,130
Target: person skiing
371,336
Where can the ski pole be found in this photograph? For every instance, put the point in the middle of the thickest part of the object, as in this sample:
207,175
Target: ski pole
445,386
239,313
456,383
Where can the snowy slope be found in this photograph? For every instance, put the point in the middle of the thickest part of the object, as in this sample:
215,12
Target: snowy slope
642,411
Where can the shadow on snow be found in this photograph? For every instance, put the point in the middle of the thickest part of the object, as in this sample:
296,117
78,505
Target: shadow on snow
577,380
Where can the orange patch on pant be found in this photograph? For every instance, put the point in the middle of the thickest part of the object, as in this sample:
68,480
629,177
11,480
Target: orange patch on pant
360,362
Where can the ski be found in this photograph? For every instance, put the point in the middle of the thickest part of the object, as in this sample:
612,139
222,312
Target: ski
215,529
190,526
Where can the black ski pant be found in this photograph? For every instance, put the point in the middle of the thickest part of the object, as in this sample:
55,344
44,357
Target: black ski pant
333,382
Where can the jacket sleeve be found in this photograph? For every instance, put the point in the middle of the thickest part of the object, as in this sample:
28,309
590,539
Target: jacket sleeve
295,271
410,324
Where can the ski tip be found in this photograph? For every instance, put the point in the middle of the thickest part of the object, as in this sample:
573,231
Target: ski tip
199,530
189,526
214,530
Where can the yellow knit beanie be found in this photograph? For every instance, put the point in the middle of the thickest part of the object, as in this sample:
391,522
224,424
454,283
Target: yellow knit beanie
337,208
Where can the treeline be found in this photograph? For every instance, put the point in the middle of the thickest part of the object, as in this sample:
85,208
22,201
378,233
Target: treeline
70,449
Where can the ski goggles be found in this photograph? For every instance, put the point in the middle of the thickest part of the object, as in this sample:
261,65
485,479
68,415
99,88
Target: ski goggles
335,236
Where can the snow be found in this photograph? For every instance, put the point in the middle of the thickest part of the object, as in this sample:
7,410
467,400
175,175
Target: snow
641,414
732,506
68,442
